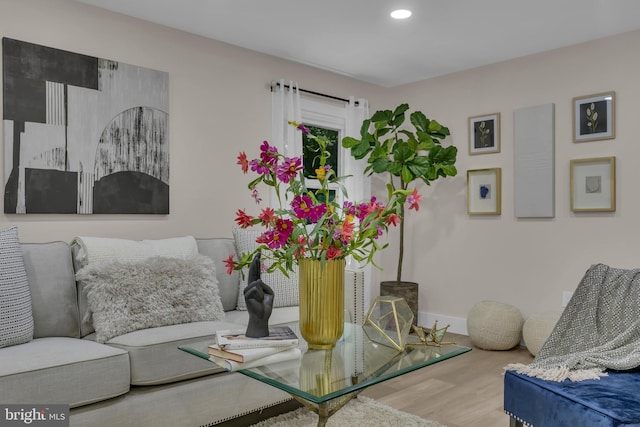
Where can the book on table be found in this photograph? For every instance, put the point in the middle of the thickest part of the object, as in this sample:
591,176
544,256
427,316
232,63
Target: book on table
233,339
284,354
242,355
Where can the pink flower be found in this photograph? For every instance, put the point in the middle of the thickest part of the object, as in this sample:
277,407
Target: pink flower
413,199
256,195
302,206
347,228
393,220
229,263
273,239
268,160
267,216
284,227
289,169
243,220
243,162
333,252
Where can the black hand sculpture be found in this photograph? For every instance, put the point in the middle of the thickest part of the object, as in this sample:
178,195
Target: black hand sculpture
259,299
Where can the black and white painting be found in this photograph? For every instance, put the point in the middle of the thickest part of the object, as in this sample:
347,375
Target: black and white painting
83,134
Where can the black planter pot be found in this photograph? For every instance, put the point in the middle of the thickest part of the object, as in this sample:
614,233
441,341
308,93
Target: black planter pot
406,290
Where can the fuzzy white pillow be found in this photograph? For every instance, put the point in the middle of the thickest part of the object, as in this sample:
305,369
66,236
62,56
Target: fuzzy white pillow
126,296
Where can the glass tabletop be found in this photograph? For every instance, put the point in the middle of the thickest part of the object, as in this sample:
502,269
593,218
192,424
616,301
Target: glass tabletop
354,364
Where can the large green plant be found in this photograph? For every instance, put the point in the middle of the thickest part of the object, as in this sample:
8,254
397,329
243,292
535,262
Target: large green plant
405,155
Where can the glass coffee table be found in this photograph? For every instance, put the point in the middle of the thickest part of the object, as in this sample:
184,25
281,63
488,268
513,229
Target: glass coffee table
325,380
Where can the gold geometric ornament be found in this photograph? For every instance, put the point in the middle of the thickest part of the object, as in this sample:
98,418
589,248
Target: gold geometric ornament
388,322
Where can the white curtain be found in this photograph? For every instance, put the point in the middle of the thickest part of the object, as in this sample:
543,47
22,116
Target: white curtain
359,185
285,106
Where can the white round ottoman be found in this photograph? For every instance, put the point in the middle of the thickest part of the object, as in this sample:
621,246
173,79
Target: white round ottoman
537,329
494,325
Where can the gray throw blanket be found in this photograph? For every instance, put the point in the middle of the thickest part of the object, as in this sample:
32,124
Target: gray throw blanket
598,330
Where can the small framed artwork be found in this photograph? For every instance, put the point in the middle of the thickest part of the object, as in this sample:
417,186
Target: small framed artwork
484,191
594,117
484,134
593,185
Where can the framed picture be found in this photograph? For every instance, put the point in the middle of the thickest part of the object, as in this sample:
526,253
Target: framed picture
484,134
594,117
484,191
593,185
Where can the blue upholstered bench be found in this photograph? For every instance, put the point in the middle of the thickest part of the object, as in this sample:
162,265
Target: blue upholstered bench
611,401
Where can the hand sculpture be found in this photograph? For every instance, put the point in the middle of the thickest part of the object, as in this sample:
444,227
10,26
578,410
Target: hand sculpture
259,299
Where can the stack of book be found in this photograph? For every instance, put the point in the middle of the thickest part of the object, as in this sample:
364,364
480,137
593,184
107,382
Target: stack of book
233,350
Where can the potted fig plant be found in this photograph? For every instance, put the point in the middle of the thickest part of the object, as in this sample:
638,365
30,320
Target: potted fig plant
403,155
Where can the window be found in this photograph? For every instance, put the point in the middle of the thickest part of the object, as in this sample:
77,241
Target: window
329,120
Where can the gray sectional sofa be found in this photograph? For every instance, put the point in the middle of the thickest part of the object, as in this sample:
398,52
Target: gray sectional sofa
140,378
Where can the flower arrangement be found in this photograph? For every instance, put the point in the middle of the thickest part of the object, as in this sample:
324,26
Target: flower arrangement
308,223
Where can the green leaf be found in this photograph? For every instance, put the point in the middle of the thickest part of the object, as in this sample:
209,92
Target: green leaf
349,142
397,121
420,121
380,165
449,170
382,116
360,150
407,176
380,124
402,152
401,109
394,168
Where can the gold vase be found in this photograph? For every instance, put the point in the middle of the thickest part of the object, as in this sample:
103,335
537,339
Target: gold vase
321,302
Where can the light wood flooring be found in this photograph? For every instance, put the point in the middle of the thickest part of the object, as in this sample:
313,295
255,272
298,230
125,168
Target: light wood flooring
465,391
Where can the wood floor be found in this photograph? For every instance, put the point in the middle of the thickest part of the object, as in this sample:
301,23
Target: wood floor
465,391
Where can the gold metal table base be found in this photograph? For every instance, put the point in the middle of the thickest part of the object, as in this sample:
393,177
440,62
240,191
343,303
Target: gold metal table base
327,409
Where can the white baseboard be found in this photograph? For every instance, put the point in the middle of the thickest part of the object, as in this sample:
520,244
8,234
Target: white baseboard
458,325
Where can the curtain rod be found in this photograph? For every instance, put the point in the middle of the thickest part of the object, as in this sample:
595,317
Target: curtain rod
324,95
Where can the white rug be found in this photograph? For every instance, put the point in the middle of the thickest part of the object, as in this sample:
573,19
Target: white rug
361,412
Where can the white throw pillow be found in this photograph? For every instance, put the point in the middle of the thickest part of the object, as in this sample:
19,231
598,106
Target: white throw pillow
126,296
16,316
285,288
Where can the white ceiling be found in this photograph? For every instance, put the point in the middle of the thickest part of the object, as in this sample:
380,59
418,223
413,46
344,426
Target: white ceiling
357,38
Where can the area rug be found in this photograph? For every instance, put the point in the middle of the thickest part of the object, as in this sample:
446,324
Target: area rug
361,412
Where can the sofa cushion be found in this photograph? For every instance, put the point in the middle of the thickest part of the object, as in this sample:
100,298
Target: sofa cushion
62,371
98,249
285,289
155,357
87,250
16,318
53,289
218,249
128,296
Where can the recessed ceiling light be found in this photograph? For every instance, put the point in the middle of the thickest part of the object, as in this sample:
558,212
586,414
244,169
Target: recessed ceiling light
401,14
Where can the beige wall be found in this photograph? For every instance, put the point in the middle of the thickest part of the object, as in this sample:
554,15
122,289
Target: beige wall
459,259
219,105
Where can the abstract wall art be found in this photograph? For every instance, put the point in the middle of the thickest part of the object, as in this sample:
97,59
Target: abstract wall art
83,134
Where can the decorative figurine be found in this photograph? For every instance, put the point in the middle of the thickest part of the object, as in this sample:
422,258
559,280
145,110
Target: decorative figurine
432,337
259,299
